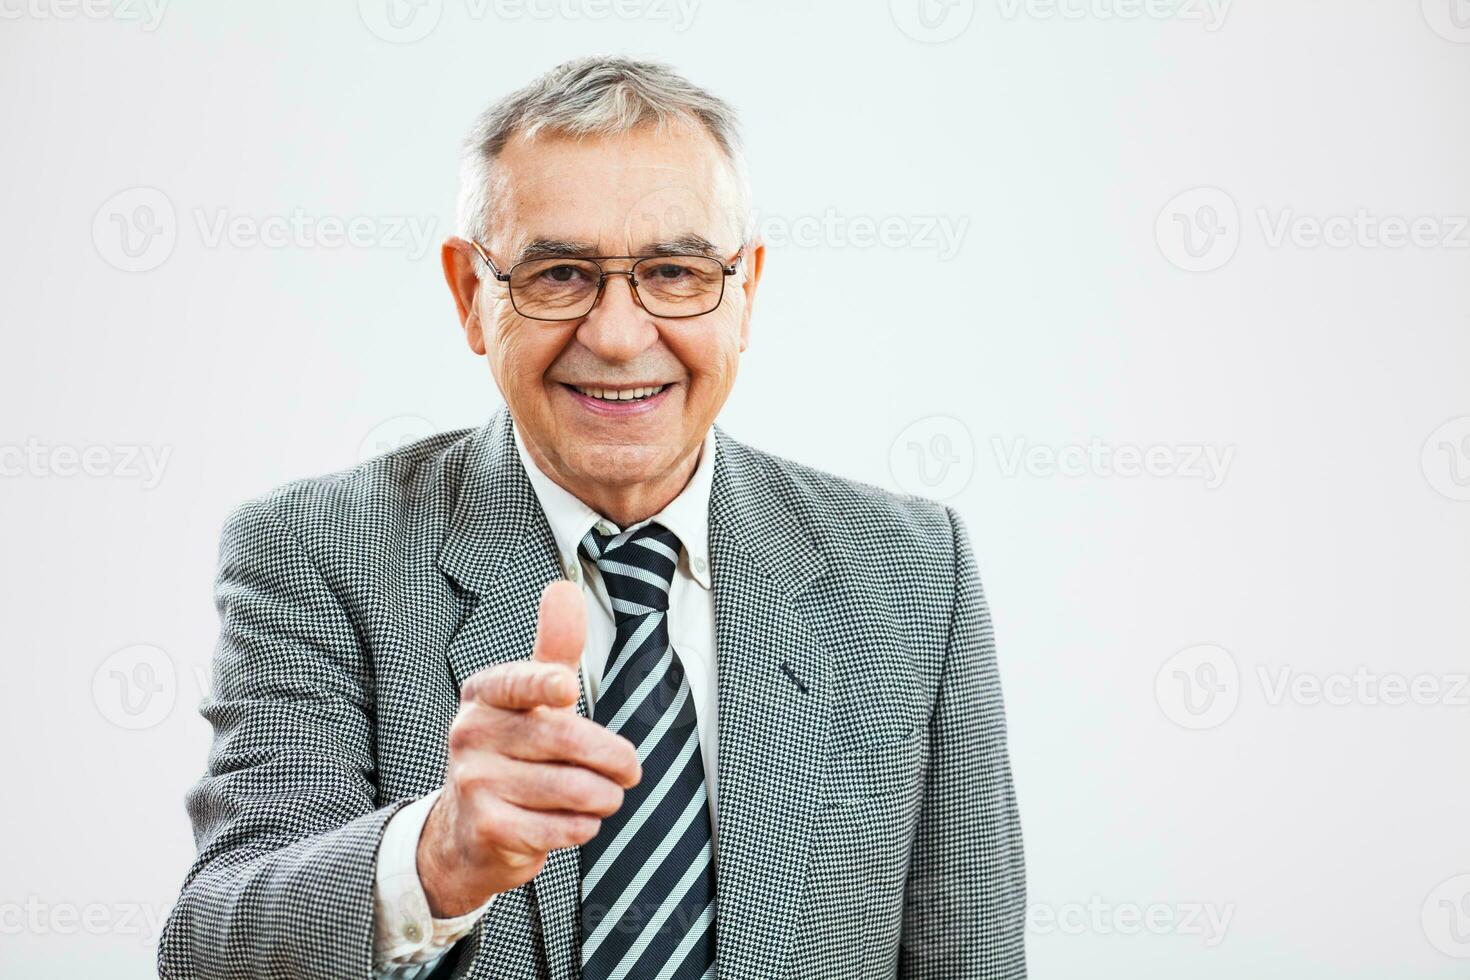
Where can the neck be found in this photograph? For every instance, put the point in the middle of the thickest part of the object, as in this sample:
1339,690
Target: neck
624,504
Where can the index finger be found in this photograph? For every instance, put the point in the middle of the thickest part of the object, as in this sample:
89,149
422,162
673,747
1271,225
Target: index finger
523,685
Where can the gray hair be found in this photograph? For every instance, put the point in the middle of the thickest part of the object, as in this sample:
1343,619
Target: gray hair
594,97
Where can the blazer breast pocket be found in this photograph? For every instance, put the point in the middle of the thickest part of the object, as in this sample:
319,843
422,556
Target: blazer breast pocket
863,772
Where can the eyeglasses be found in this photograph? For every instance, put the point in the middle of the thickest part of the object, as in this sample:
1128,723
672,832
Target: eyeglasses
667,286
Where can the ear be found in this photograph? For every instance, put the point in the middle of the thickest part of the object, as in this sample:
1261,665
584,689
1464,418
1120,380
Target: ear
754,262
458,259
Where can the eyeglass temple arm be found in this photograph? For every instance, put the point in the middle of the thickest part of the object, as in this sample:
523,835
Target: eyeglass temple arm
729,270
499,276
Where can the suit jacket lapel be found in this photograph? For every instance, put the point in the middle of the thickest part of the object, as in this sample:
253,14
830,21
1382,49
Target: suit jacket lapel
500,548
773,713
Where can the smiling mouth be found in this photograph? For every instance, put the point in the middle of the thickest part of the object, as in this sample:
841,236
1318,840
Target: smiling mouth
633,394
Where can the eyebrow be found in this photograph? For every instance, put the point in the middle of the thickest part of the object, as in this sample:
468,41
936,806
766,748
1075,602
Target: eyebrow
683,245
552,248
555,248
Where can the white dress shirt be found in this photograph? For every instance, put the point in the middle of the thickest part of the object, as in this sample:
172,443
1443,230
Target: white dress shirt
408,939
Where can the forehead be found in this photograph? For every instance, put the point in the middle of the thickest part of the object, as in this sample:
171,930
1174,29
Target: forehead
618,193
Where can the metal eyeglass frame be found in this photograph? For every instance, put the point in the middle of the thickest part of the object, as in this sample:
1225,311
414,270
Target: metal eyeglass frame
728,268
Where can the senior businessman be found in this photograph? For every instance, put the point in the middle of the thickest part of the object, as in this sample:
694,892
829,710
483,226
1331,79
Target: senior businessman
596,690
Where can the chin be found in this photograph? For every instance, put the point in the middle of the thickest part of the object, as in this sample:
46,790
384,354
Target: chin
621,464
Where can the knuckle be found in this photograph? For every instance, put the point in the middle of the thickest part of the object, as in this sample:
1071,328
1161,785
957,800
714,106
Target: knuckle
461,734
560,736
471,727
548,835
472,781
500,682
487,833
528,685
477,779
555,783
509,687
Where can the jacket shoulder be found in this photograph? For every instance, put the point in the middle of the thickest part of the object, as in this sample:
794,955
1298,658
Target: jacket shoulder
839,511
368,497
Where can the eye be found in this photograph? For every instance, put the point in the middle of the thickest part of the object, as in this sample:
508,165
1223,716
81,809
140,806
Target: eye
563,273
668,271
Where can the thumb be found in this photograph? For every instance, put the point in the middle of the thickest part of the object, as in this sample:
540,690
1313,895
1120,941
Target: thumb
561,625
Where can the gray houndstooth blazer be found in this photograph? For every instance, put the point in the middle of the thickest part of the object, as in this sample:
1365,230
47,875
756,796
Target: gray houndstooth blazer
868,826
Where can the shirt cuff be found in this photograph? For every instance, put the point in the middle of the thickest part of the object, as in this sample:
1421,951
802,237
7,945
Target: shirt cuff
407,933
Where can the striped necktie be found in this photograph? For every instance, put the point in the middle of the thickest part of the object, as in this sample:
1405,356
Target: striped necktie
648,887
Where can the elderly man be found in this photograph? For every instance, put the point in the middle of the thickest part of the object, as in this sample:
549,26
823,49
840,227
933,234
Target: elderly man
596,690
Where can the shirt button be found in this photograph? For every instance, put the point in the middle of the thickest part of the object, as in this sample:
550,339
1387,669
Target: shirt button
603,527
574,571
412,932
700,565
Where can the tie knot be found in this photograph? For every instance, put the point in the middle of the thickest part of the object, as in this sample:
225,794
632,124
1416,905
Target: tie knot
637,567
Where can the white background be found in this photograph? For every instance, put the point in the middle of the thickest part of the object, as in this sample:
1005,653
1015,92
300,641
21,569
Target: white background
1184,816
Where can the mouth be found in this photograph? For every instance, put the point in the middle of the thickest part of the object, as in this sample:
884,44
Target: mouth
636,393
618,400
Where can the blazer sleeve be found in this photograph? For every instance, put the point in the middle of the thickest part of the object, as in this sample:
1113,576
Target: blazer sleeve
965,901
285,818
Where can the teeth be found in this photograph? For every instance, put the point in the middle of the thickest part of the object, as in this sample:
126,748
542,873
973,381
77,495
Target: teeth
612,395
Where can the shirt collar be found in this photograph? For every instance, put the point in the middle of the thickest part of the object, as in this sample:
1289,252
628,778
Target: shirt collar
687,515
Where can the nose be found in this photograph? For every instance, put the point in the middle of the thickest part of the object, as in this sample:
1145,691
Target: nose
618,328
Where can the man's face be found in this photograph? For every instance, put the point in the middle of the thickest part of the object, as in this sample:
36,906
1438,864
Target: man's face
640,193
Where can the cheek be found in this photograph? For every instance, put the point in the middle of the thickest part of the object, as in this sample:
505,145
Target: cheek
709,350
519,353
719,354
